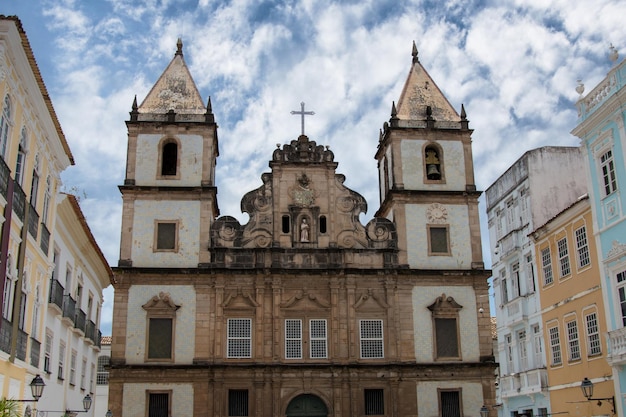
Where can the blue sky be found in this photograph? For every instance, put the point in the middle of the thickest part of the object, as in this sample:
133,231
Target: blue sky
514,64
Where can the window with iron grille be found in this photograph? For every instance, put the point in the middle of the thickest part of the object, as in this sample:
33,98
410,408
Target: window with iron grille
374,402
563,257
237,402
450,402
293,339
371,332
317,332
593,335
158,404
239,338
572,340
103,370
582,247
607,167
546,264
555,345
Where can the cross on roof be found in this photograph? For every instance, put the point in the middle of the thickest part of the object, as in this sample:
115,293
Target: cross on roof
302,113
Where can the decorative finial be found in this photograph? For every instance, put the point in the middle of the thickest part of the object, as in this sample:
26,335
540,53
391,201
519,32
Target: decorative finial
394,112
463,114
209,107
414,53
135,110
135,103
613,54
179,47
208,116
580,88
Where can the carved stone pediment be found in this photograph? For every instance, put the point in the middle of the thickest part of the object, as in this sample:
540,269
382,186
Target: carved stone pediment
161,303
369,300
445,304
239,299
305,300
617,251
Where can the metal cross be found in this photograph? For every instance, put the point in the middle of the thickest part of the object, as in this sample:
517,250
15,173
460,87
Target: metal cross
302,113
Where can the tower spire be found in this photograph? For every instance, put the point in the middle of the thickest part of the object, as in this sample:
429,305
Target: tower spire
179,47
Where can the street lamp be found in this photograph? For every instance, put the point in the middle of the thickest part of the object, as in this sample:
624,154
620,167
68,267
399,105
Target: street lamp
108,414
36,387
484,411
86,405
587,388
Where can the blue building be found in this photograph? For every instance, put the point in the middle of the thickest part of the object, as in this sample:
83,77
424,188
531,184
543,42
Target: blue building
601,119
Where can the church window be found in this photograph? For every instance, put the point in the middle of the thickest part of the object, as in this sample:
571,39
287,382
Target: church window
286,223
555,345
445,316
371,332
166,236
159,404
317,331
322,224
239,343
293,339
5,122
237,402
563,257
607,166
450,403
374,402
433,163
546,265
21,158
438,242
160,335
582,247
573,343
169,159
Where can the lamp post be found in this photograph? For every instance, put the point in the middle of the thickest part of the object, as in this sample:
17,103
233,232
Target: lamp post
108,414
587,388
86,405
484,411
36,390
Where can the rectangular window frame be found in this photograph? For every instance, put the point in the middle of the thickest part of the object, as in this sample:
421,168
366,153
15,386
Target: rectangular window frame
607,173
565,268
318,348
239,346
73,358
431,235
573,341
546,266
61,365
238,403
445,411
155,341
372,339
374,401
166,394
582,247
555,345
47,354
594,343
157,229
293,339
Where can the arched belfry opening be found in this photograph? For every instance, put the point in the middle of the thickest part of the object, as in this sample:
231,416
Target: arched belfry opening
169,159
307,405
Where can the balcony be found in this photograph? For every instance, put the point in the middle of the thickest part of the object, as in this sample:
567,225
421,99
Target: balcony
5,174
56,296
33,221
517,311
80,321
617,347
510,244
69,309
5,335
19,201
44,244
524,383
35,349
22,344
90,332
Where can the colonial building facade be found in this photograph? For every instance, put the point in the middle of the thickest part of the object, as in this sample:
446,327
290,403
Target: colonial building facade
303,311
601,129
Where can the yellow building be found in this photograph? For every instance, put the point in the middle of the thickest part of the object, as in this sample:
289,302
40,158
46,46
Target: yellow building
573,312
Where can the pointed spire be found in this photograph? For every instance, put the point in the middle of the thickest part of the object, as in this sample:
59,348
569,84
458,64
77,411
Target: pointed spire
464,121
208,116
414,53
179,47
134,113
394,115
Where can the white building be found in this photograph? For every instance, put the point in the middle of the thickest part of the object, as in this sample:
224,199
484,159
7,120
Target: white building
536,187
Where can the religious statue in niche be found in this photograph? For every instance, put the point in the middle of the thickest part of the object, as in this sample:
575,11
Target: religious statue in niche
304,231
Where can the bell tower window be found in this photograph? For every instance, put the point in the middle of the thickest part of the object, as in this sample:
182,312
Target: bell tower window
433,163
169,159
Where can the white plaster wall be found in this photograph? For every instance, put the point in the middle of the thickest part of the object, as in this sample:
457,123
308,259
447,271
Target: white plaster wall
134,403
188,215
423,335
190,157
184,328
417,238
427,394
413,171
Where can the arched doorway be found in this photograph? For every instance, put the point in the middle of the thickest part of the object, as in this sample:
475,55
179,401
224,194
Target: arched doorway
307,405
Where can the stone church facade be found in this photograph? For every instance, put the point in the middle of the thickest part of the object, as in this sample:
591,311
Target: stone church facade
303,311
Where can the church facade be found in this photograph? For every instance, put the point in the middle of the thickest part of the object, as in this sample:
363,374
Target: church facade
303,310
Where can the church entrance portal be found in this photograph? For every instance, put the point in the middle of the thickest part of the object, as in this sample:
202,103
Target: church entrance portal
307,405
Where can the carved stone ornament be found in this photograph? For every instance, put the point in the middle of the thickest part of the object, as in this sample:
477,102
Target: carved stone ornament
161,302
617,251
301,193
370,295
437,213
444,303
302,296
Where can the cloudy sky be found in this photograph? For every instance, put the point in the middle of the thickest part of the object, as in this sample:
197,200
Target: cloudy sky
514,64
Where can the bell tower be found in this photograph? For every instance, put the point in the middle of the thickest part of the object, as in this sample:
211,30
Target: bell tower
426,178
169,192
